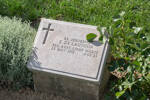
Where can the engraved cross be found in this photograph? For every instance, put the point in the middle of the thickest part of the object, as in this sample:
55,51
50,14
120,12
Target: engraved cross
48,29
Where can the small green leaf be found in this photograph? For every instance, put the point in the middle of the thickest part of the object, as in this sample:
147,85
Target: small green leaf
111,41
148,37
90,37
148,76
127,58
144,45
119,94
101,38
136,63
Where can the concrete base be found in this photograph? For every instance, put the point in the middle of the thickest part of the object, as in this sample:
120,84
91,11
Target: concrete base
71,88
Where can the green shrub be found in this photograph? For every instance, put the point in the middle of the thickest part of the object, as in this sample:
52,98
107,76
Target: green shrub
16,39
131,57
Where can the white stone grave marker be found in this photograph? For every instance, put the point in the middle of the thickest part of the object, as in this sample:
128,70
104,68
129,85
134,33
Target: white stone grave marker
63,62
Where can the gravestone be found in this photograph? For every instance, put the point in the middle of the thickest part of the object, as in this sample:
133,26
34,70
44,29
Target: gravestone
64,63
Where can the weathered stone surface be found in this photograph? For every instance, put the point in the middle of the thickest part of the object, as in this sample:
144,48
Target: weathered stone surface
63,62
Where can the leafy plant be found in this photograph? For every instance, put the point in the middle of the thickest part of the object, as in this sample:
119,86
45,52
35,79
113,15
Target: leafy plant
16,38
131,56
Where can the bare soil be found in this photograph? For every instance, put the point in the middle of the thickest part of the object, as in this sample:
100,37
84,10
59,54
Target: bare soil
6,94
29,94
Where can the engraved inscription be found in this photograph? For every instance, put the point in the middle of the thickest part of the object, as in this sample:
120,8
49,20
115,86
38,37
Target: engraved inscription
74,46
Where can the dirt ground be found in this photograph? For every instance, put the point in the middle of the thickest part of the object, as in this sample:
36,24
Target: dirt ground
29,94
6,94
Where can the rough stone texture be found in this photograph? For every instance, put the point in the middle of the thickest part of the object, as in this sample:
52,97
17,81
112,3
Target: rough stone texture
64,63
69,87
